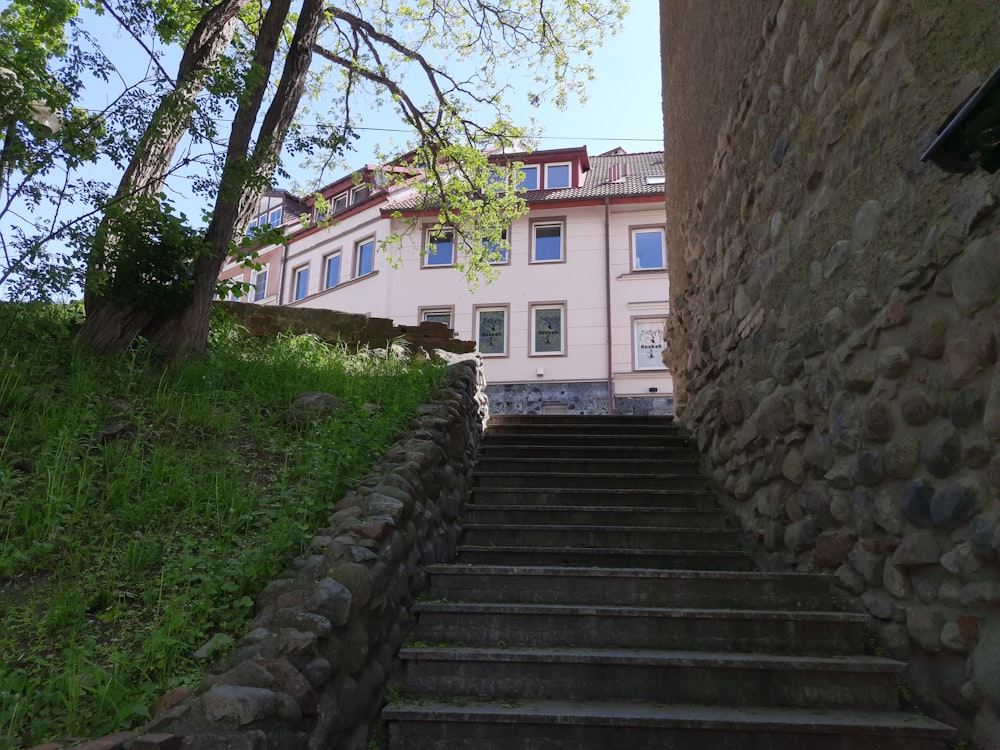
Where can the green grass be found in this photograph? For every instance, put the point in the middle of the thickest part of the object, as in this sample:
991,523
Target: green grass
121,555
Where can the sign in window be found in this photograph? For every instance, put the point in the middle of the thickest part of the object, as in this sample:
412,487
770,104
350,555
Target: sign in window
491,331
649,344
547,336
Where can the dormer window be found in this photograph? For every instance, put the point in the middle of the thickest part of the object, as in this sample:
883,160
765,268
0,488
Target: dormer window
529,179
339,203
557,176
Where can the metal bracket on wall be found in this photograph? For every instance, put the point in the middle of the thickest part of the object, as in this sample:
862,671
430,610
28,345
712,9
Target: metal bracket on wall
970,137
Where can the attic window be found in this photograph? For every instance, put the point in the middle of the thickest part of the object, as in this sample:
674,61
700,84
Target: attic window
656,179
617,172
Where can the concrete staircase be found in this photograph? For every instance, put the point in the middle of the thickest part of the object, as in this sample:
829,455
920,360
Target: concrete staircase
601,600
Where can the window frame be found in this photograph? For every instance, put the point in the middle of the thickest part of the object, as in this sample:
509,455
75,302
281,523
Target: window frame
638,320
569,175
359,257
634,246
359,193
340,202
477,310
525,168
426,256
271,218
339,255
533,309
448,310
258,293
298,273
505,258
535,224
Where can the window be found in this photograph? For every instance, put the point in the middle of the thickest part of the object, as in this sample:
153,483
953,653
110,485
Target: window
491,331
440,250
332,264
648,250
251,227
648,343
339,203
364,258
529,180
546,244
656,179
557,176
548,332
275,218
358,194
260,285
301,280
436,315
497,253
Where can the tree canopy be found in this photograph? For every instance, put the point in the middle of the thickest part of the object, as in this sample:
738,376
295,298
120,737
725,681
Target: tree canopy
259,85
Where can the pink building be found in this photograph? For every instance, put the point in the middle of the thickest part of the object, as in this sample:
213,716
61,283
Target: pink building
574,321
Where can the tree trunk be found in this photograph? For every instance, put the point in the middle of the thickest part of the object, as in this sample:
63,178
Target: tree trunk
110,326
245,175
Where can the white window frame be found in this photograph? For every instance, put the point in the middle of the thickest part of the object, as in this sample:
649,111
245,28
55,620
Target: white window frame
525,168
541,223
326,268
359,193
425,312
259,293
429,257
296,275
641,326
358,255
505,310
275,221
569,175
533,311
339,203
505,258
635,247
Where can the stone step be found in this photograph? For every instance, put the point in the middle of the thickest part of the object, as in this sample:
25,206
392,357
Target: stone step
589,480
715,678
574,465
594,515
541,439
516,449
604,558
590,537
632,587
585,496
577,420
458,723
589,626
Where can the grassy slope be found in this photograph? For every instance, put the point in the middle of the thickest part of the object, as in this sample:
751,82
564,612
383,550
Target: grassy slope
141,508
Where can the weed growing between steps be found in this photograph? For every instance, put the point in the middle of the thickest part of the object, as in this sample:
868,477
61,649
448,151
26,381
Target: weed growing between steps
142,507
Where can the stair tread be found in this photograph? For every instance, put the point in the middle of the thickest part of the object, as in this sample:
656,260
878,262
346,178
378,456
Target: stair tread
629,611
622,713
693,530
601,550
653,657
593,508
545,570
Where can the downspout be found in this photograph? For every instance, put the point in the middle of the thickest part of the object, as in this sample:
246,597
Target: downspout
284,266
607,298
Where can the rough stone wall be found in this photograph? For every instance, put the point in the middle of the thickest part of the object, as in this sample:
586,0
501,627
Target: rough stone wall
312,670
835,311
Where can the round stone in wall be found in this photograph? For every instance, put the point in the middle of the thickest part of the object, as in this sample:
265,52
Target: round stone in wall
915,501
915,405
976,278
942,451
901,456
879,421
967,408
957,502
893,361
928,333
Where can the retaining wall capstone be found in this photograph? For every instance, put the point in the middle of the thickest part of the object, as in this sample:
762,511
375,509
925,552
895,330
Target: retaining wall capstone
836,312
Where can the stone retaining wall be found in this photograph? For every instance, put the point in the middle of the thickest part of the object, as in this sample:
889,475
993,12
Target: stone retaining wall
836,316
313,668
